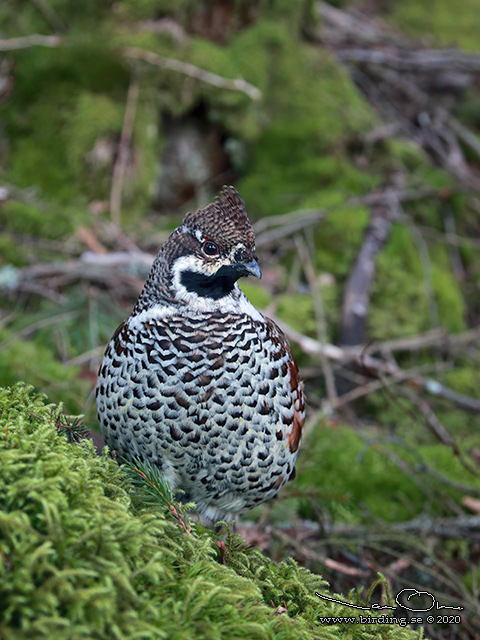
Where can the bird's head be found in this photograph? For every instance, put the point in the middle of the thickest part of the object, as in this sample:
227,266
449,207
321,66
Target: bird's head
211,250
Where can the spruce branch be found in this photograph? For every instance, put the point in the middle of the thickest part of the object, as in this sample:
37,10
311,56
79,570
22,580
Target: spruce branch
152,489
231,545
72,427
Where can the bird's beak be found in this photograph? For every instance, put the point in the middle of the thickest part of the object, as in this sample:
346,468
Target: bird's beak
252,268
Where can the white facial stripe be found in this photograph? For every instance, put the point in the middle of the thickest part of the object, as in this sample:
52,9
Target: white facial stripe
184,263
193,232
235,302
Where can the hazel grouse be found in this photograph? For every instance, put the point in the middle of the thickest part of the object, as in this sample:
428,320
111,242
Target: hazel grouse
196,380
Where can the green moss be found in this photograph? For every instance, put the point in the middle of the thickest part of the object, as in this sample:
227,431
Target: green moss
142,174
398,289
358,473
468,109
23,18
92,117
339,238
257,294
298,136
80,560
296,309
10,249
145,9
40,220
471,579
302,150
56,112
406,153
434,18
464,379
38,365
449,299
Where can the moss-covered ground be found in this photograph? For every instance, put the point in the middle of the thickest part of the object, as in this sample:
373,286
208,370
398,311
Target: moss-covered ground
79,559
305,144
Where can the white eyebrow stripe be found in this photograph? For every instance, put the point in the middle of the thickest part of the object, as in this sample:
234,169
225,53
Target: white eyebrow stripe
193,232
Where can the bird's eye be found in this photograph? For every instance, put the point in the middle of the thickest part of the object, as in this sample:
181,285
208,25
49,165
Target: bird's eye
210,248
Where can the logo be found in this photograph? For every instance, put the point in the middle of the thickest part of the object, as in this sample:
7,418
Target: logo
407,593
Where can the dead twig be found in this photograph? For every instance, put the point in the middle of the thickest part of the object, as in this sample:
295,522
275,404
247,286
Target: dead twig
272,229
424,256
233,84
377,367
33,40
47,279
49,14
439,431
426,60
124,149
309,271
433,338
356,294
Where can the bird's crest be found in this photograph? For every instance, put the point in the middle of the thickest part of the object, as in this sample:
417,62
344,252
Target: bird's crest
225,219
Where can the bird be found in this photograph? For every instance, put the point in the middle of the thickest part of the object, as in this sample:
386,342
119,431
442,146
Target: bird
198,382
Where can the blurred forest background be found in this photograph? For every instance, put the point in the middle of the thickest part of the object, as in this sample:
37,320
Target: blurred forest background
352,132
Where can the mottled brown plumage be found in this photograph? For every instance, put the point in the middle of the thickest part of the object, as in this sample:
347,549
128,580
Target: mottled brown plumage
196,380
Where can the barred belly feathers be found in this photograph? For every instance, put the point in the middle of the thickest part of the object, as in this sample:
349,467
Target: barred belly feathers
196,380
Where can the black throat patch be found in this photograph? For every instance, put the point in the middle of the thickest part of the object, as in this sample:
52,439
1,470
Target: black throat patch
215,286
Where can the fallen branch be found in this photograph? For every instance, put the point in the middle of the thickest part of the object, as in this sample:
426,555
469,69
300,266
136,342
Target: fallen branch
109,270
309,271
49,14
466,527
233,84
356,294
124,149
377,367
435,337
33,40
403,80
272,229
438,429
424,60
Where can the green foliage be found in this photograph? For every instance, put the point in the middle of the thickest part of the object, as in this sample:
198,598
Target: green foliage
434,17
92,117
398,290
399,293
449,298
257,295
67,101
10,251
359,474
296,309
151,489
38,365
405,154
79,560
309,124
463,379
145,9
339,238
39,221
